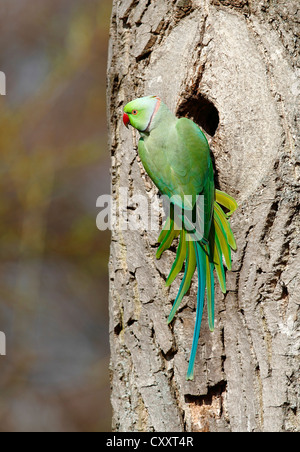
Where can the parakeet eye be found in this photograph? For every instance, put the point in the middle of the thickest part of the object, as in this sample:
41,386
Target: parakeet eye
134,112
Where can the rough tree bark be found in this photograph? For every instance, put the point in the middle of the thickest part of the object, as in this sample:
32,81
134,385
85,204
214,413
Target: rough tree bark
231,65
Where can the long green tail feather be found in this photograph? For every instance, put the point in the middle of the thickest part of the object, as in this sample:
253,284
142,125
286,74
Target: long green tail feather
201,267
225,248
206,256
226,226
210,292
168,240
227,201
180,258
187,278
219,264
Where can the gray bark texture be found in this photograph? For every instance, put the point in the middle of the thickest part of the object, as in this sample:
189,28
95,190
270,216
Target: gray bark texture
233,67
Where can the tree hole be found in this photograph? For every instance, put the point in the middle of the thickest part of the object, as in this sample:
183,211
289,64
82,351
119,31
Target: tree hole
202,111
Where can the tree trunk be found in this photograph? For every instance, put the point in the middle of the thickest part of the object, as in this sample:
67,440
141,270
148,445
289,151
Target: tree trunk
231,66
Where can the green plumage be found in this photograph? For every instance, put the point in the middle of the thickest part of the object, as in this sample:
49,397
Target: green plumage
176,155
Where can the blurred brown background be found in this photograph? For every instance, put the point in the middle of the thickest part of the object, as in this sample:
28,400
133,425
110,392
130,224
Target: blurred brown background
53,260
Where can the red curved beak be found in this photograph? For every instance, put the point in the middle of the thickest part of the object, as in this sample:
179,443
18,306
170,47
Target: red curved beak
126,120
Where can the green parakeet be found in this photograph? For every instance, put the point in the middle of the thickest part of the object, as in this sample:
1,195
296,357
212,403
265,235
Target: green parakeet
176,155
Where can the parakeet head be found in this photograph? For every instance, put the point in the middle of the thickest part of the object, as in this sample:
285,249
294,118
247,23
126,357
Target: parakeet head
140,112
